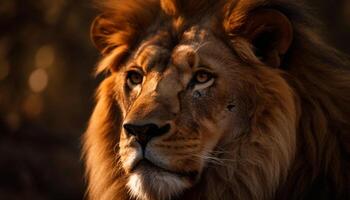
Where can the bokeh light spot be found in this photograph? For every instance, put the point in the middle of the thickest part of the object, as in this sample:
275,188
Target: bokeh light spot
32,106
38,80
45,56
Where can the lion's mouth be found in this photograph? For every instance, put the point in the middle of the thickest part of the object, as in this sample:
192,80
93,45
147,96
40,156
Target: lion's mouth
146,165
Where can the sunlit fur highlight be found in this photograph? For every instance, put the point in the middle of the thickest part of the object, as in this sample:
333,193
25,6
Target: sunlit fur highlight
308,139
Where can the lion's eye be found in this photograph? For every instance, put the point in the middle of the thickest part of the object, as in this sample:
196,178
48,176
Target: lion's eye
202,76
134,78
202,79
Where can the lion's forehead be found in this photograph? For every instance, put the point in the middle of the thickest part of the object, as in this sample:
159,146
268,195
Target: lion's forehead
161,49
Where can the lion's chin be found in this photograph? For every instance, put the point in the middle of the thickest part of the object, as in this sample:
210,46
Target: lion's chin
149,182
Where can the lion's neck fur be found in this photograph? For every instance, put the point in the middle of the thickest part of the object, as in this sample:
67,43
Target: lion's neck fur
323,134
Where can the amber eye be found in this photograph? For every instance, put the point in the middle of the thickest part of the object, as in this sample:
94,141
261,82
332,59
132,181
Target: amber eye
202,77
134,78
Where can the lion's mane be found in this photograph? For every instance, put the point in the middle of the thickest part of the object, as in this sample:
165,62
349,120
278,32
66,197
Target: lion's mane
319,78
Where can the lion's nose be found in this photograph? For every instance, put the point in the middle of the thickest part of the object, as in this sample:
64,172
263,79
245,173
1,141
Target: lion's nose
144,133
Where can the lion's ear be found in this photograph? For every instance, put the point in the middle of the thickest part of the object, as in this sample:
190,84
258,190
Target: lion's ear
101,29
271,34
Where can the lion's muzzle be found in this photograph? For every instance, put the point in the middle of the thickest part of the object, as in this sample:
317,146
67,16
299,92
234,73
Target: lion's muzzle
144,133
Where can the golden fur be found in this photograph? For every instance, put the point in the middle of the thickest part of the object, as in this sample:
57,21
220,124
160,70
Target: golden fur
289,137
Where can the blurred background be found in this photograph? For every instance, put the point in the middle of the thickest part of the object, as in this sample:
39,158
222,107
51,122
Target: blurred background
47,89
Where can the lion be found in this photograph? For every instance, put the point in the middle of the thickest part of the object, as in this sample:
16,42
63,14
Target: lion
214,99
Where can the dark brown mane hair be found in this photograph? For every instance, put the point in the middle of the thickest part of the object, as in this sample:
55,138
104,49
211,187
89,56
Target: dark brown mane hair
318,74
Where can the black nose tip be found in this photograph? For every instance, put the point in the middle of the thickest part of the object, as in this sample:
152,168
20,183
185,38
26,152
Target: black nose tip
144,133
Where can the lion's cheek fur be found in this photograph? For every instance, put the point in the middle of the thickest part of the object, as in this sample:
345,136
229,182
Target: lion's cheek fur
273,134
99,147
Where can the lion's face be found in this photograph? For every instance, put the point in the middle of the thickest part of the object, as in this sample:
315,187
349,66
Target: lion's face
177,103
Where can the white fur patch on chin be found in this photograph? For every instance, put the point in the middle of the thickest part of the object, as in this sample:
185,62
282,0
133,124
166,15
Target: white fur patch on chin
156,185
